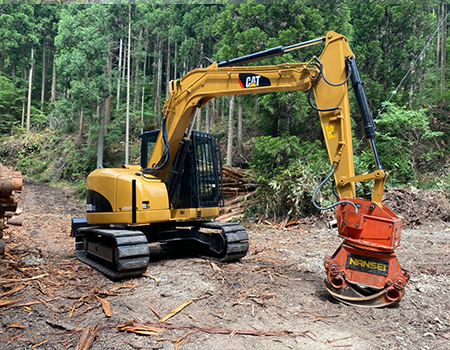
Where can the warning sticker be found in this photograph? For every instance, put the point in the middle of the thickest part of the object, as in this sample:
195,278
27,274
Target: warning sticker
330,131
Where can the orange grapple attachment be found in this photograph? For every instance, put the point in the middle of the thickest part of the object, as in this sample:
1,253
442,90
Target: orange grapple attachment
364,270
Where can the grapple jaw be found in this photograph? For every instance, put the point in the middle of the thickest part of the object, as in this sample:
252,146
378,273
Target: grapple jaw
364,270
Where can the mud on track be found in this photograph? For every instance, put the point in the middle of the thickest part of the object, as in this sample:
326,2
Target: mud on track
48,298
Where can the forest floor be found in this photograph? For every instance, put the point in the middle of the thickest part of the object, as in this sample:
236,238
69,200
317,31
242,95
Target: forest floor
272,299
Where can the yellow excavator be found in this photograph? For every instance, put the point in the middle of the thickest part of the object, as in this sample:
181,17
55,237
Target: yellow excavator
176,190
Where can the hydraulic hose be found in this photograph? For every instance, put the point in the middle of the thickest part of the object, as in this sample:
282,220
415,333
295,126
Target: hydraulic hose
334,204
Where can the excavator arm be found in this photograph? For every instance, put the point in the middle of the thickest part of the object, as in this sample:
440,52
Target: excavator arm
364,270
325,76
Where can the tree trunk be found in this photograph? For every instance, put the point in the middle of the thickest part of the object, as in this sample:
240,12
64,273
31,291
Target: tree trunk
168,69
80,130
198,121
207,117
118,78
212,115
30,85
124,62
101,134
23,108
143,92
13,78
175,60
127,128
136,75
157,107
229,161
109,74
184,60
443,49
239,130
438,44
89,141
44,68
53,94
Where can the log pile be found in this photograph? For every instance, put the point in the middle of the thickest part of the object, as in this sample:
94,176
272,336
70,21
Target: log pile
10,185
234,207
234,182
237,192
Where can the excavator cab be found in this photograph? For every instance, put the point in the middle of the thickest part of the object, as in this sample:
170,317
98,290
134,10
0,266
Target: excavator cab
148,141
195,177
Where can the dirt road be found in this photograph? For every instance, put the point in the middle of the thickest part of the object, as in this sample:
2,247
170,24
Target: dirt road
49,300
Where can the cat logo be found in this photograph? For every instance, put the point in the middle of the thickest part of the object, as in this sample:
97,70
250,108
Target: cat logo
250,80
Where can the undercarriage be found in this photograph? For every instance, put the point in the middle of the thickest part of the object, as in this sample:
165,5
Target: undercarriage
124,252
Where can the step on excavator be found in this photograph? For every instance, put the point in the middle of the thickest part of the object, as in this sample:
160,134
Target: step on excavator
176,190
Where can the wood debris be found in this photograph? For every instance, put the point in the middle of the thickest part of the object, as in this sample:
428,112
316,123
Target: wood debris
178,341
238,190
39,344
12,291
215,267
49,306
6,302
10,281
175,311
146,274
179,308
131,326
338,339
64,326
73,309
106,306
87,338
234,208
16,325
144,329
287,225
157,314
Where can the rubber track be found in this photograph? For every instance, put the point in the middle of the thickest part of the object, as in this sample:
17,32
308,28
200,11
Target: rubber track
235,236
133,253
130,242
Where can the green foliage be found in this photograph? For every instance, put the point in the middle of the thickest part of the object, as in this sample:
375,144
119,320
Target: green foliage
272,154
385,50
405,143
287,173
441,182
48,157
82,44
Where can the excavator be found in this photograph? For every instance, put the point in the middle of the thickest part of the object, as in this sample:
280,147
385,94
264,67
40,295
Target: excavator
172,196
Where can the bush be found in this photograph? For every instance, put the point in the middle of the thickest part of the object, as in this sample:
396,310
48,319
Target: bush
287,173
405,141
272,154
